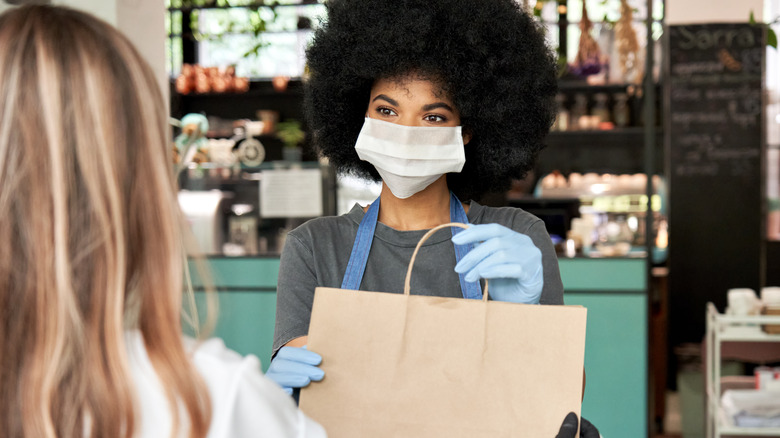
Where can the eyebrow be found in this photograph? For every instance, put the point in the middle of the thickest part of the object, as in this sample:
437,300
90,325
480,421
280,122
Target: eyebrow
387,99
429,107
436,105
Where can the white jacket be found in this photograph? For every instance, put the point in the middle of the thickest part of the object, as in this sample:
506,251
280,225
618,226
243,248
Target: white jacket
244,402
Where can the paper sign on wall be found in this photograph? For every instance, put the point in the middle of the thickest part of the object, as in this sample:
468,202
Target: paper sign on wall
291,193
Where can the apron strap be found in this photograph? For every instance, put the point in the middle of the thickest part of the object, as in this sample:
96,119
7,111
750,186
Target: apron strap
360,249
470,289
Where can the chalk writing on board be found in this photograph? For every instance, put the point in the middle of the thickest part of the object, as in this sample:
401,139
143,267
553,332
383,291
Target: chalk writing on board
715,76
703,38
697,68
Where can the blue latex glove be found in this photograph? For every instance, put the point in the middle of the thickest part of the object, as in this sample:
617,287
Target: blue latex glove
510,260
569,428
295,367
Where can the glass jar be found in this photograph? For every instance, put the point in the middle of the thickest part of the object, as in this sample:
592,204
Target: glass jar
579,112
600,110
562,119
620,111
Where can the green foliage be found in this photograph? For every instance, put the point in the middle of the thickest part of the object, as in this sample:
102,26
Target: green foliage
563,65
290,133
254,24
206,3
771,36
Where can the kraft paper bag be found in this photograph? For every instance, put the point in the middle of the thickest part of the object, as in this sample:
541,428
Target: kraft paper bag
417,366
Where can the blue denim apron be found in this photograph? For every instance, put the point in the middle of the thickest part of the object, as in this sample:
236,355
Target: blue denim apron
365,235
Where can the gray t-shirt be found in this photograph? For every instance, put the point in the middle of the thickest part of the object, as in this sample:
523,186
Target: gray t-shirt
316,255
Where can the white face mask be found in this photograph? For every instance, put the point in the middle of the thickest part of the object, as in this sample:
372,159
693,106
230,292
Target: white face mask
410,158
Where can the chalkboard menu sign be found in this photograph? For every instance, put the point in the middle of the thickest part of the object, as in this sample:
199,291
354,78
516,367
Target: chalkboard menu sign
714,167
715,100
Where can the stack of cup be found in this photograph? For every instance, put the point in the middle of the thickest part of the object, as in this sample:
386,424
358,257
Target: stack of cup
770,296
743,302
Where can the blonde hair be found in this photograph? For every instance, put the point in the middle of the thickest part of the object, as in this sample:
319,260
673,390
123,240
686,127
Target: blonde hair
89,232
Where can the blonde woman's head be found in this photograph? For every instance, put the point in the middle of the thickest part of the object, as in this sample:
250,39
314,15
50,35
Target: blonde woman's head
89,229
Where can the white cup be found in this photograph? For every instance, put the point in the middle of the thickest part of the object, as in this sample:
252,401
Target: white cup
770,296
743,302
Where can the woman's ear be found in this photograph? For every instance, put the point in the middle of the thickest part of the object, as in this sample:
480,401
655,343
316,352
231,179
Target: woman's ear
466,137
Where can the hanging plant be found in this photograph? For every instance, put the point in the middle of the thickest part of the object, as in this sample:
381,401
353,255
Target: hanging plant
589,58
628,45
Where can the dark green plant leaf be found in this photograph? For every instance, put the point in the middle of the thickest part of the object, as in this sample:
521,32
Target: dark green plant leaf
563,66
254,51
752,19
771,38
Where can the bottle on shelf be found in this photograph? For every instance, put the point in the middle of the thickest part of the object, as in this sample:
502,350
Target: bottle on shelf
600,110
620,112
579,112
562,119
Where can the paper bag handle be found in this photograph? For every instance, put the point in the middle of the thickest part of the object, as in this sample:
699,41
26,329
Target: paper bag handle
408,281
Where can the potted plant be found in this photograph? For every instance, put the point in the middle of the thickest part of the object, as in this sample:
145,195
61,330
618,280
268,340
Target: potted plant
291,135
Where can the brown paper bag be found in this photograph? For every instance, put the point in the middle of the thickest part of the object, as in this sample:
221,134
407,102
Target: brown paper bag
417,366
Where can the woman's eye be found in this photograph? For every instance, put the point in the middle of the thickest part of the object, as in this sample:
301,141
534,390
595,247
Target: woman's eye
386,111
435,118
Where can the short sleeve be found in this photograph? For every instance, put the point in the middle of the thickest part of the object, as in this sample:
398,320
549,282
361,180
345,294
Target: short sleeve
295,291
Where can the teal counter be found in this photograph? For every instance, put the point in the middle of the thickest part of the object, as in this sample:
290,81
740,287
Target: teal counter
246,303
613,291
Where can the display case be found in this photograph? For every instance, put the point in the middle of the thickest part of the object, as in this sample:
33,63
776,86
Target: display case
611,215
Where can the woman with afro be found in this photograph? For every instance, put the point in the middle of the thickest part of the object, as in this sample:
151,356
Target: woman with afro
443,101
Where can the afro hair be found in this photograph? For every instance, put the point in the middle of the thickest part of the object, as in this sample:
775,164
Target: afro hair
489,56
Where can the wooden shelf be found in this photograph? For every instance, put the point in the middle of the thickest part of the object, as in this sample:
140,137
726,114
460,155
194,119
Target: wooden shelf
261,95
571,85
257,88
627,131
